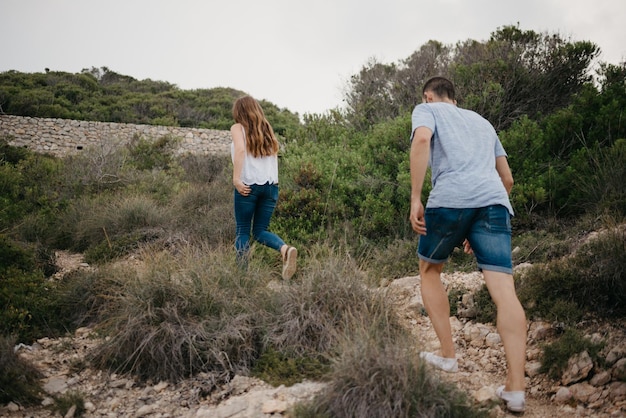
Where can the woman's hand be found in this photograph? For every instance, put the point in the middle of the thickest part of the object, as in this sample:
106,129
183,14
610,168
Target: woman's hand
241,187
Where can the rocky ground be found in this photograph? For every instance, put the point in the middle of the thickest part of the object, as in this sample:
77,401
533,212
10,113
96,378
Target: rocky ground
583,391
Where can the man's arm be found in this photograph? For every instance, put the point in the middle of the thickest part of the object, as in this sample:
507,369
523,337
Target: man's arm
503,169
420,153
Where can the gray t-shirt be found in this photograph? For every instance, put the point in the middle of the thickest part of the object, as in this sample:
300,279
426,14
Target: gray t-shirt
463,151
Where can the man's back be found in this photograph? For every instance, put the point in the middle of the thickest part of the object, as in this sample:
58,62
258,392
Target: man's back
464,147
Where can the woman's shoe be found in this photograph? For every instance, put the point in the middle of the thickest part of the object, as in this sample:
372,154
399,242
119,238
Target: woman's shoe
289,263
449,365
515,400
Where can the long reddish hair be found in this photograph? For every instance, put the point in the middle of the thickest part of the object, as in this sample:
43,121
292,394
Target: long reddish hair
260,138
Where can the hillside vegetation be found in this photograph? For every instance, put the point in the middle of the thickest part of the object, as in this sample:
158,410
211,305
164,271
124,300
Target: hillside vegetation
344,201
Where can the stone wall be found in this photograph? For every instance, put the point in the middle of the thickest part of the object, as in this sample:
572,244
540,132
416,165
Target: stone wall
63,137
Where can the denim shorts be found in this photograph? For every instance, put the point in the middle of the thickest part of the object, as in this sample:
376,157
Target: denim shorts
487,229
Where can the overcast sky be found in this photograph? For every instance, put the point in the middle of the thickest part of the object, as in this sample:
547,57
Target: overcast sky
295,54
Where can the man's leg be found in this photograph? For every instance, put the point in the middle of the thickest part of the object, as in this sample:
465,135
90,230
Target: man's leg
511,324
437,305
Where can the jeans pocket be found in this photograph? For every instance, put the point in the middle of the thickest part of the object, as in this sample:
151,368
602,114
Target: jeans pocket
499,219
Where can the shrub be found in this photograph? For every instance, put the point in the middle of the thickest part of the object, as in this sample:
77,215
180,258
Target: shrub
90,222
97,169
486,310
203,213
590,280
597,175
181,316
377,376
150,154
556,355
308,317
393,261
64,402
278,368
19,380
204,169
26,300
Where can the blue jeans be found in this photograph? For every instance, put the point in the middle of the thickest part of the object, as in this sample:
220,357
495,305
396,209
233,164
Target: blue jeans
252,215
487,229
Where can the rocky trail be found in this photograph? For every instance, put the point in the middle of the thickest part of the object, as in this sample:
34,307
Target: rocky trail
582,392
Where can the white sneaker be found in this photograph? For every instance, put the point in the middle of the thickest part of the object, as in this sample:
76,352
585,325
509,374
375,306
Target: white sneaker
515,400
449,365
289,263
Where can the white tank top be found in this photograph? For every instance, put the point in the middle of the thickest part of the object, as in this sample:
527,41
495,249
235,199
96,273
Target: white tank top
256,170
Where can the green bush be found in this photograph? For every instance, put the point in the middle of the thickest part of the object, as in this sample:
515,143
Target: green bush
286,369
485,307
597,176
29,185
19,380
556,355
64,402
152,154
27,299
589,281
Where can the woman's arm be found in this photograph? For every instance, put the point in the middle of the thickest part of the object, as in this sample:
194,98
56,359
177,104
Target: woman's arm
239,154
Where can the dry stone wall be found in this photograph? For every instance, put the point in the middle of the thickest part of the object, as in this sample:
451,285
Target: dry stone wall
63,137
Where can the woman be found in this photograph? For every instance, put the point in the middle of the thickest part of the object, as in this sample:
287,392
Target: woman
254,152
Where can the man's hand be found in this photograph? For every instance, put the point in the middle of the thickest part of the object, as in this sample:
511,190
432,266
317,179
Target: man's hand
417,217
467,247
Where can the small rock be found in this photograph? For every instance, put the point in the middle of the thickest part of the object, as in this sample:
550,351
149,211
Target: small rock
617,391
493,339
13,407
619,370
615,354
601,379
540,331
274,406
484,394
55,385
160,387
532,368
145,410
578,368
47,401
584,392
563,395
82,332
70,412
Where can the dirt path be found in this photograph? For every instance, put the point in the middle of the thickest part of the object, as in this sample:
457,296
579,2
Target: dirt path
481,370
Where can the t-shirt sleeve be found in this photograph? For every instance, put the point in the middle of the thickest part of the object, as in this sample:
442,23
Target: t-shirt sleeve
422,116
499,149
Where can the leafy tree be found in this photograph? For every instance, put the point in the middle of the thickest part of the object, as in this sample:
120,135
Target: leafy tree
521,73
512,74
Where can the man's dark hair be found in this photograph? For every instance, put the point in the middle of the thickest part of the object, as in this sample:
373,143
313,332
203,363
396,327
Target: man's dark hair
441,86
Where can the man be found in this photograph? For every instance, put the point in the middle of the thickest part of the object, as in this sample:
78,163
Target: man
468,203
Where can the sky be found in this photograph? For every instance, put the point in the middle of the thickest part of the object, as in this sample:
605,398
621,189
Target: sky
296,54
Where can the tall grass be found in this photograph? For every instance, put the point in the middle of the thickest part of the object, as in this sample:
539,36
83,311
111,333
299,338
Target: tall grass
180,315
379,376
